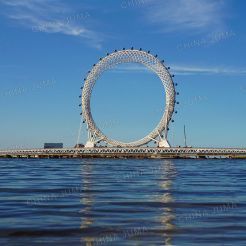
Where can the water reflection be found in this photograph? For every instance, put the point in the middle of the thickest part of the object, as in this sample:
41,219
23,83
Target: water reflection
164,177
168,175
87,201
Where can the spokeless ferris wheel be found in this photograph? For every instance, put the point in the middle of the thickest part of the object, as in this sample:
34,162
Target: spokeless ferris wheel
160,132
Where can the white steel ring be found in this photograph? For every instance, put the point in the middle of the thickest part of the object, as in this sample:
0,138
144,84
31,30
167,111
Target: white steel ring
129,56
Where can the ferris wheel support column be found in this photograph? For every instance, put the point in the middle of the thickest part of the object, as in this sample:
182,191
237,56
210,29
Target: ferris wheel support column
164,142
90,142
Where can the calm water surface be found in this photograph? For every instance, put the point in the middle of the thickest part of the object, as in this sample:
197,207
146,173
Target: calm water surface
122,202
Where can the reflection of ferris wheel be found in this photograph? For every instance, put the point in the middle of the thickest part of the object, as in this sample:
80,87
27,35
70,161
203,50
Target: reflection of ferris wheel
159,134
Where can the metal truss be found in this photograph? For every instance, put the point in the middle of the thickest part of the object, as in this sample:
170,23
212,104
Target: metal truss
159,133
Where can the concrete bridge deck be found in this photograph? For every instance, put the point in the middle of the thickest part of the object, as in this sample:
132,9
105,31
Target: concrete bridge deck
111,152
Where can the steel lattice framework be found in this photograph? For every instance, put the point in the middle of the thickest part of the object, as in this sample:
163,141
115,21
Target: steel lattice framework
109,62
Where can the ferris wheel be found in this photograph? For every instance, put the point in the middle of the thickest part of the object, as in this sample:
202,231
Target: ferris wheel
160,132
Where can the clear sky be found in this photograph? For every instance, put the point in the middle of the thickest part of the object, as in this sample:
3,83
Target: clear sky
47,47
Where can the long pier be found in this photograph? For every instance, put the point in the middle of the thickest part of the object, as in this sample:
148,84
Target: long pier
139,153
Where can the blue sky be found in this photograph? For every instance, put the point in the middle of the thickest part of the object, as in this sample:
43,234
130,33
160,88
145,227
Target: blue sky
47,47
